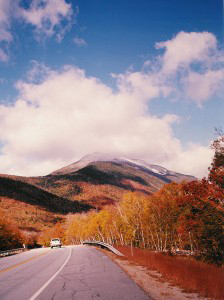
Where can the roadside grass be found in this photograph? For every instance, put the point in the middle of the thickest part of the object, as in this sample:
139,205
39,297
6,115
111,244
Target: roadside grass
191,275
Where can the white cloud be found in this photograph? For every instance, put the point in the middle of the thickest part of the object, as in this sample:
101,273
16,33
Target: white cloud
68,115
191,68
37,72
47,16
146,85
194,160
197,63
60,116
80,42
186,48
5,34
201,87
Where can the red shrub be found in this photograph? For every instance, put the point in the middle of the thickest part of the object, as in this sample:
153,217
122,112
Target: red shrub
207,280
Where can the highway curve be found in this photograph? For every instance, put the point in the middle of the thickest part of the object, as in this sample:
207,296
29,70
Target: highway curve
76,273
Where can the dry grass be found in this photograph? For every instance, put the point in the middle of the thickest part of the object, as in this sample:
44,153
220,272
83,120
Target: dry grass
207,280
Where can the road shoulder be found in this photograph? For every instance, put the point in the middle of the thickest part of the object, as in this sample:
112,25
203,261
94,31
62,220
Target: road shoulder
152,282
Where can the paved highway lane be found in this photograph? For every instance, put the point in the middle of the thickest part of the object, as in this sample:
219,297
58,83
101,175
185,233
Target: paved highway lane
77,272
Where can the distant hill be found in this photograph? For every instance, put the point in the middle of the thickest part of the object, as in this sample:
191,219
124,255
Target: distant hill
31,207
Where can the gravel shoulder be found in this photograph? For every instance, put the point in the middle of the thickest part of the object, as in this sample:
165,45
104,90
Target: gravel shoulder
152,282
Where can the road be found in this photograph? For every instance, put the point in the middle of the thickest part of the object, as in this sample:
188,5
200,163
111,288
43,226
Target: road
76,273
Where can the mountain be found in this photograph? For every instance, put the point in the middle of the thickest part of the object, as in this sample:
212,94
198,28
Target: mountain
101,179
83,162
94,181
135,163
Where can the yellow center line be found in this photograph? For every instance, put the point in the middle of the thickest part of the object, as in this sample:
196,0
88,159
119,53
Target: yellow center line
23,262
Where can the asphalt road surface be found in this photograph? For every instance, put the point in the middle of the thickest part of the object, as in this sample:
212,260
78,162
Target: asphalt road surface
76,273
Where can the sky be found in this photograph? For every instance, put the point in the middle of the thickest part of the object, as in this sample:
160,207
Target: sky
138,79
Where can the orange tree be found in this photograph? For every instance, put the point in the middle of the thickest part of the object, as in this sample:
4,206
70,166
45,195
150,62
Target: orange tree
10,235
201,219
216,174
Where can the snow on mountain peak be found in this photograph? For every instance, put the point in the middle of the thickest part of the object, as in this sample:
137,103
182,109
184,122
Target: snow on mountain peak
142,163
103,157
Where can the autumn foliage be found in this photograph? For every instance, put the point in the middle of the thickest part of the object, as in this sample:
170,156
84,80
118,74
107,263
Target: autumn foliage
182,217
56,231
10,235
193,276
216,174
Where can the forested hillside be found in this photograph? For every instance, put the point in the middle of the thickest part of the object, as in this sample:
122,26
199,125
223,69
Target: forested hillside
26,210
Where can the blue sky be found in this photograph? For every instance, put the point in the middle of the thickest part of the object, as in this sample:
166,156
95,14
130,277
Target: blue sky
156,65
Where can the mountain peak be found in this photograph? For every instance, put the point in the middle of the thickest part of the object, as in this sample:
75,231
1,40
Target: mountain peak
97,156
83,162
104,157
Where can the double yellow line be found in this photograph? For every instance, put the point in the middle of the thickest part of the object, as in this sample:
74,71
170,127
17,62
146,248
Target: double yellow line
22,263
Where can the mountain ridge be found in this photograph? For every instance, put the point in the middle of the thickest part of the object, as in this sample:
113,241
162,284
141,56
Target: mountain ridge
101,179
103,157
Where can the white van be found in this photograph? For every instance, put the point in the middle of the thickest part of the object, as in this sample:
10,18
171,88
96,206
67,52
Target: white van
55,243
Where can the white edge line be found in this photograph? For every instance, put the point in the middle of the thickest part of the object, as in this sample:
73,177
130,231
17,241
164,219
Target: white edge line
49,281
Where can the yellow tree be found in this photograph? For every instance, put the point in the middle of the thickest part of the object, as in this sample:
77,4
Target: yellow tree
133,211
163,215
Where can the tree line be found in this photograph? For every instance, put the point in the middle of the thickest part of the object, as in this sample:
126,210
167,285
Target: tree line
181,216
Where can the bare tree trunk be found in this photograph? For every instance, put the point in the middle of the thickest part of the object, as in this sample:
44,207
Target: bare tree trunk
100,233
154,242
143,238
165,242
190,241
119,233
131,249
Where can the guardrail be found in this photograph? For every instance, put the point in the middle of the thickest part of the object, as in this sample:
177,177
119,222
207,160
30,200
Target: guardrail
103,245
12,251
